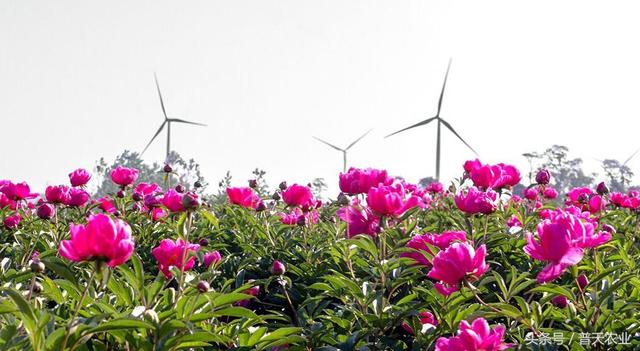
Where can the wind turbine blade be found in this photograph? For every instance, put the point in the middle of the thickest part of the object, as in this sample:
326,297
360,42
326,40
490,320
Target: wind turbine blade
164,112
178,120
446,124
357,140
329,144
426,121
443,85
630,157
154,137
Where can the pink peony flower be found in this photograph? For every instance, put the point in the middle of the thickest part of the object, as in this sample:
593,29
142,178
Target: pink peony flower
4,200
435,187
475,201
57,194
17,191
513,221
12,221
172,254
549,193
298,195
530,194
243,196
457,263
147,188
492,176
211,257
172,200
562,239
360,220
46,211
77,197
427,319
386,200
421,243
359,181
124,176
102,238
477,336
106,204
79,177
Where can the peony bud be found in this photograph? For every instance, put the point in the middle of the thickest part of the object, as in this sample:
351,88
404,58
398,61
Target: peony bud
543,177
203,242
277,268
190,201
167,168
602,189
203,286
197,184
36,287
283,185
275,196
137,196
46,211
582,281
120,194
253,183
342,199
180,188
560,301
301,221
261,207
37,266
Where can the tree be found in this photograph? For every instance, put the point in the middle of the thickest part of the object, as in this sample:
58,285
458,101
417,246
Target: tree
566,172
184,172
618,175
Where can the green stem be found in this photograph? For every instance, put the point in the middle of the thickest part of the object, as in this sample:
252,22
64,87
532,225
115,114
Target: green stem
78,306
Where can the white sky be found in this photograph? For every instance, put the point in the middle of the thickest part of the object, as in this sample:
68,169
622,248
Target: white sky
76,83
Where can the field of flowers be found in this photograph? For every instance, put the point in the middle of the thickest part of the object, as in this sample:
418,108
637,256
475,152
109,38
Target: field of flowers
387,265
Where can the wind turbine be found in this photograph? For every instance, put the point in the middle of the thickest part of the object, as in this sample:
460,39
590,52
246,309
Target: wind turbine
167,121
440,122
344,151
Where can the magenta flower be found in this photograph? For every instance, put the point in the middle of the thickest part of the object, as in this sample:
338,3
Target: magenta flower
492,176
530,194
77,197
455,264
12,221
477,336
106,204
513,221
549,193
124,176
298,195
172,254
211,257
102,239
359,181
427,319
435,187
360,220
475,201
158,213
560,301
17,191
421,243
147,188
4,200
79,177
387,200
172,200
46,211
543,177
243,196
57,194
561,240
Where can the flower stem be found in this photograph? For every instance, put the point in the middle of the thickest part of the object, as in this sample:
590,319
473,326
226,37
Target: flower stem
79,305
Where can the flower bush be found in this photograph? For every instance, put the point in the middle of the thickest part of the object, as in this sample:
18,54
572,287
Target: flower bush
388,265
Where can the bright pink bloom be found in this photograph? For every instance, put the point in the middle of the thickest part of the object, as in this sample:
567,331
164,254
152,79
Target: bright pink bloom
421,243
509,176
472,165
359,181
530,194
458,262
172,254
492,176
387,200
435,187
597,203
124,176
550,193
298,195
427,319
475,201
106,204
18,191
79,177
147,188
57,194
477,336
172,200
4,200
580,197
102,238
513,221
297,217
77,197
211,257
243,196
12,222
158,213
561,240
360,220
